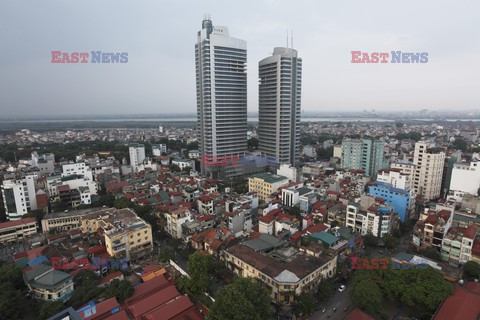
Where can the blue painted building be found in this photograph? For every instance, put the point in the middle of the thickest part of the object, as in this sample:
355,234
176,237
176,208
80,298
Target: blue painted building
400,199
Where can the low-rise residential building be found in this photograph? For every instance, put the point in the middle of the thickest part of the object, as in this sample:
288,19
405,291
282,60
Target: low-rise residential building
264,184
432,227
19,196
401,200
285,271
159,149
183,163
377,220
239,221
466,178
126,235
291,196
457,244
206,203
194,154
78,168
47,283
65,220
72,190
17,230
175,220
276,222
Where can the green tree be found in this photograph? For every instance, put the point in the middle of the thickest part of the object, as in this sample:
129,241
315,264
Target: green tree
367,294
183,284
244,299
471,269
460,144
198,267
325,290
12,302
371,240
390,241
420,289
107,200
46,309
431,253
174,168
10,273
121,289
122,203
37,214
306,303
166,255
86,288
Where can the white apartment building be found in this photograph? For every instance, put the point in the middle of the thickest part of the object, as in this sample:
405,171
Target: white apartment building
57,186
238,221
174,221
289,171
137,155
79,168
429,163
457,244
337,151
466,178
310,151
291,196
19,196
183,163
44,162
194,154
377,220
396,178
407,168
159,149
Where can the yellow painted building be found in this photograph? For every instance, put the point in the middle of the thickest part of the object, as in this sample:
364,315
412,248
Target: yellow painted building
264,184
126,235
286,272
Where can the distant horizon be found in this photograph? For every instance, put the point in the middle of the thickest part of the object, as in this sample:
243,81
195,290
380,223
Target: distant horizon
307,113
159,37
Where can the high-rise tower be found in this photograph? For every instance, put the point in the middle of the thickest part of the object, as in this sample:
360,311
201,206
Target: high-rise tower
280,105
221,78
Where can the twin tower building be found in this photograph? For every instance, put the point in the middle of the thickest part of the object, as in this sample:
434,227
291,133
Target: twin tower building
221,78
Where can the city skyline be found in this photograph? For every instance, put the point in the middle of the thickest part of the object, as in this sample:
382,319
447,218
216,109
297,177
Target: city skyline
159,76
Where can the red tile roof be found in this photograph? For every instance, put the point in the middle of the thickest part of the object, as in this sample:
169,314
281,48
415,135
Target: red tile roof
462,305
63,187
470,232
111,277
171,309
147,288
102,308
358,314
431,219
121,315
42,200
473,286
476,247
10,224
153,301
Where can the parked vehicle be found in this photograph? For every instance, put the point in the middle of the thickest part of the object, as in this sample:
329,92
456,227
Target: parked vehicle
342,288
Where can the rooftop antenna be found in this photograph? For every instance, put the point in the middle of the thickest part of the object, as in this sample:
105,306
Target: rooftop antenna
287,38
292,39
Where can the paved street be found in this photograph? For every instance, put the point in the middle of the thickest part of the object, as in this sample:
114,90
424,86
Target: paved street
340,300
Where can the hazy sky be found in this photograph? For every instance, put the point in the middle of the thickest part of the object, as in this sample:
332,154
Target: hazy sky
159,37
